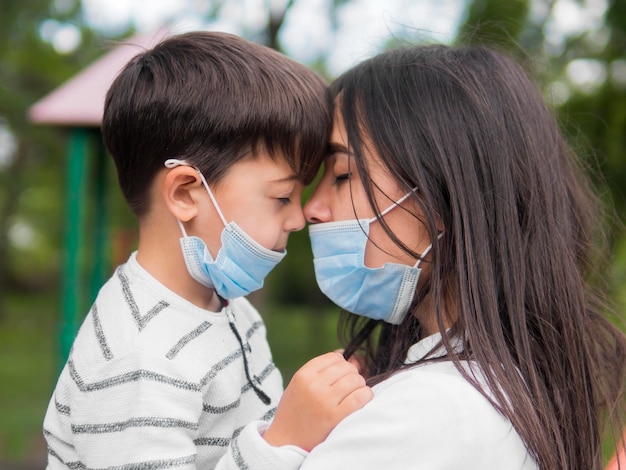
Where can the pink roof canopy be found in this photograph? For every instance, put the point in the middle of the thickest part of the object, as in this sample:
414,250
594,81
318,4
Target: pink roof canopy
79,102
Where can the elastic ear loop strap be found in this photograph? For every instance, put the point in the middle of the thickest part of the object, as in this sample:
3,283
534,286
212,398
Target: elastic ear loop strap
174,162
393,206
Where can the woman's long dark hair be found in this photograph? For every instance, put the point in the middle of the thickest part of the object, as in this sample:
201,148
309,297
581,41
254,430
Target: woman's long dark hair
467,127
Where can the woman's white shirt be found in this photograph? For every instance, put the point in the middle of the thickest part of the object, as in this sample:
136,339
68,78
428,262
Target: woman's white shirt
425,417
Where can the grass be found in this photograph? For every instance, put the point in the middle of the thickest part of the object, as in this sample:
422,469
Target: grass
27,373
29,362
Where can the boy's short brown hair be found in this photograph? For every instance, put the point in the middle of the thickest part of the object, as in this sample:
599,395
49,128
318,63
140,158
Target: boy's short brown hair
212,99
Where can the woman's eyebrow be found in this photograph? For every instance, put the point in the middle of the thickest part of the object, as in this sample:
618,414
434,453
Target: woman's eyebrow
336,147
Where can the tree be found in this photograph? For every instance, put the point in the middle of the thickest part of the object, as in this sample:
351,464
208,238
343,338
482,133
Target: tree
31,173
593,114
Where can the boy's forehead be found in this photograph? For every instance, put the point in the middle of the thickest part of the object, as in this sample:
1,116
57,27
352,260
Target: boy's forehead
297,167
270,168
290,158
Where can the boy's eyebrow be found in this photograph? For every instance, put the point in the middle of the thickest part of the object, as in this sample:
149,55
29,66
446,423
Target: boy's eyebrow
288,178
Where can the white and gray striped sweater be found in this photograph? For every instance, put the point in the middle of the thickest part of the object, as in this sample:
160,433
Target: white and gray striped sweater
153,381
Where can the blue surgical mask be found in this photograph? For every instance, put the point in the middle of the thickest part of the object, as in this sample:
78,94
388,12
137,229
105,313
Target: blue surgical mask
241,264
383,293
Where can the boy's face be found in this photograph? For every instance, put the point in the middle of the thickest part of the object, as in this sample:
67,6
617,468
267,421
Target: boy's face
263,197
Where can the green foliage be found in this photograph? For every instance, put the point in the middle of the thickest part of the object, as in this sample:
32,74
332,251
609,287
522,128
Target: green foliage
32,179
27,373
495,22
299,333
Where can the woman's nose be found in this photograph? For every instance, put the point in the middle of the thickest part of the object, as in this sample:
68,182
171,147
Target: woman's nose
316,210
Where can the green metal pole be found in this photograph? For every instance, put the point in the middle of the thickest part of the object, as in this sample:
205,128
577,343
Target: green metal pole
73,292
99,249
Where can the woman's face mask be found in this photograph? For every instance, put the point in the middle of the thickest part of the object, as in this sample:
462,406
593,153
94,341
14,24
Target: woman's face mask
357,264
384,293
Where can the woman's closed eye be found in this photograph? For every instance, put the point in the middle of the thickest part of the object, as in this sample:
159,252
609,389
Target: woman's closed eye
342,177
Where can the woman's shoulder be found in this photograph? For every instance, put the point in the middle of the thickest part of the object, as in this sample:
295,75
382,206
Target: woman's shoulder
441,387
436,399
428,416
439,382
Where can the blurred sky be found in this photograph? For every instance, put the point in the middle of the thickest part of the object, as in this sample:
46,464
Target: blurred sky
363,25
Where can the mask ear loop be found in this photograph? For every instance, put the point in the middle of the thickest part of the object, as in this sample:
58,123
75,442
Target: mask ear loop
426,251
174,162
394,205
182,228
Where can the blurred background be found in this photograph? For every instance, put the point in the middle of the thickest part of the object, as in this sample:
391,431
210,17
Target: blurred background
64,226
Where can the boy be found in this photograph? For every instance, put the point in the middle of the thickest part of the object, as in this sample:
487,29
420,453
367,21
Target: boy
213,138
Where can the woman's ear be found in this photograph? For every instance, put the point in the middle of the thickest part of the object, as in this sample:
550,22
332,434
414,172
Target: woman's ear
179,192
439,224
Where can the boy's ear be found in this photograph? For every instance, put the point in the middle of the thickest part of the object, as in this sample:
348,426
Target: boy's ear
179,192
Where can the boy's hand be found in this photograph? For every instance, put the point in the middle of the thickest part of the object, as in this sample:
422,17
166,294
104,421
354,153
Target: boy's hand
321,393
359,362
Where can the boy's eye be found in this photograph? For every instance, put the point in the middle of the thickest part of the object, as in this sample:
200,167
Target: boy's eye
284,200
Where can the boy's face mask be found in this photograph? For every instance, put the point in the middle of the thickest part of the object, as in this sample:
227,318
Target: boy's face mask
383,293
241,264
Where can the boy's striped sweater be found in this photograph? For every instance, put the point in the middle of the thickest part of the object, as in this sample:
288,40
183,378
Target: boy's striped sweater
153,381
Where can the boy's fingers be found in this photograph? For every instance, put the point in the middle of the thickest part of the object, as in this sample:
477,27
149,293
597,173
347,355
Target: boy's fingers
337,371
357,399
325,369
319,363
355,358
346,384
357,361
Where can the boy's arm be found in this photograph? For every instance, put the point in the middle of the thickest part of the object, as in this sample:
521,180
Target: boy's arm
321,393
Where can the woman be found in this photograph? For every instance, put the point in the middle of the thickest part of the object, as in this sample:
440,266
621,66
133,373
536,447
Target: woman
452,220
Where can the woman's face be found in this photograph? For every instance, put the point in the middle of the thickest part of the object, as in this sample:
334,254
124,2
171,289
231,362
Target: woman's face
340,195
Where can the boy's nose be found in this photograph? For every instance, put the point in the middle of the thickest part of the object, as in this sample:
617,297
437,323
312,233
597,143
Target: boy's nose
296,220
